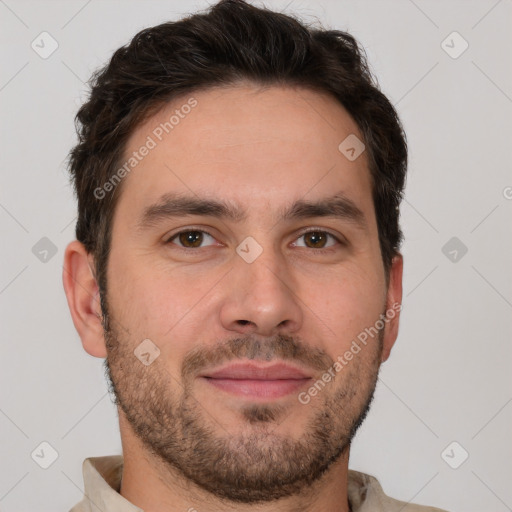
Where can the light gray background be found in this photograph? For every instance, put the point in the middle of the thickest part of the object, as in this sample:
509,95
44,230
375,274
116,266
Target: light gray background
448,378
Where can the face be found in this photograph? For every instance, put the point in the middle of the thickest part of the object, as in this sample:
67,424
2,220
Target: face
253,284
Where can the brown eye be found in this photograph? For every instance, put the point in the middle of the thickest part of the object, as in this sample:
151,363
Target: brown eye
191,239
317,239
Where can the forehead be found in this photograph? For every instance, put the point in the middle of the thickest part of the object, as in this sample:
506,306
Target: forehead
252,146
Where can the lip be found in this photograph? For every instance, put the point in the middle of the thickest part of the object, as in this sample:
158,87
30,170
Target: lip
275,371
254,381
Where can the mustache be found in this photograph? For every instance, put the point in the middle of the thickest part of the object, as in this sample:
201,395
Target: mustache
281,347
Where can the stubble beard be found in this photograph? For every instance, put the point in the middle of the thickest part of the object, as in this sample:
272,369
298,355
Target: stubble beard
257,464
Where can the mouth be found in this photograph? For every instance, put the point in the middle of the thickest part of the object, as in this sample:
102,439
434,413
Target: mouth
254,381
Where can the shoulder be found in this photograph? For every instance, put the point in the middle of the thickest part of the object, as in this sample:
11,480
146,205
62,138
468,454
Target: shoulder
366,495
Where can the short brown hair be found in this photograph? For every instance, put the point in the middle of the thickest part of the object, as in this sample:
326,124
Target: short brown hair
232,41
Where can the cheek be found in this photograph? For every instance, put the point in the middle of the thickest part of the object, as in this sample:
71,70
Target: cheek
347,304
141,299
148,307
161,303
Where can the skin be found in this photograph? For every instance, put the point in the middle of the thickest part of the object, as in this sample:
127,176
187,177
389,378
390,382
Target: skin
261,149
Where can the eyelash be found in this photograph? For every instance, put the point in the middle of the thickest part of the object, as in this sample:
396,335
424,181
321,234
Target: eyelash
310,230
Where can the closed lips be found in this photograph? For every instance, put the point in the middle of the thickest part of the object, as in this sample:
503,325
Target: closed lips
253,372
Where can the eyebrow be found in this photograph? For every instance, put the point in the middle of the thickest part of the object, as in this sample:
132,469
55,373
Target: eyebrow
173,205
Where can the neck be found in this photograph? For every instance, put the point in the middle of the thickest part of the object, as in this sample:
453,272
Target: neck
154,486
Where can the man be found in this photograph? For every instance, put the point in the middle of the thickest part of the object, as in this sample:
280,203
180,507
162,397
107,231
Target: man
237,263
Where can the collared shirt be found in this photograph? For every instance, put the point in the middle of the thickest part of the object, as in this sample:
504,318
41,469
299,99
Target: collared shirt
102,482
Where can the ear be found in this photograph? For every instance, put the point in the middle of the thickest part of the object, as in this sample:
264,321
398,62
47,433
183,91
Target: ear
82,293
393,305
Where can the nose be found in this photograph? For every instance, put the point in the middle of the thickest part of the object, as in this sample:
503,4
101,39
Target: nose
261,298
